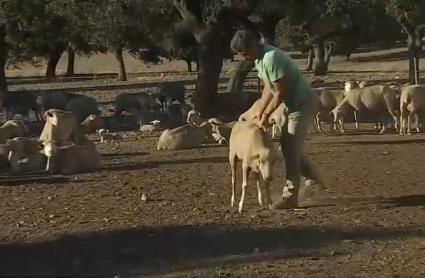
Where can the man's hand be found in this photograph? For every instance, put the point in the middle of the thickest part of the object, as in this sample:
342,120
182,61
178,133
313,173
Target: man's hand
264,120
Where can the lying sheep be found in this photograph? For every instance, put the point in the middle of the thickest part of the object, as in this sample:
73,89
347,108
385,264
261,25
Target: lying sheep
221,131
154,125
25,156
71,159
21,102
133,102
377,99
61,127
255,149
92,123
185,137
412,103
327,101
4,156
11,129
277,119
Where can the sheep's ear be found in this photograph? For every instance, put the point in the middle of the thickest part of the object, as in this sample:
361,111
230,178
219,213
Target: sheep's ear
48,114
40,146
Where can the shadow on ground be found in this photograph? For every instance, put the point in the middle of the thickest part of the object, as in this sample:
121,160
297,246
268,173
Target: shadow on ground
164,249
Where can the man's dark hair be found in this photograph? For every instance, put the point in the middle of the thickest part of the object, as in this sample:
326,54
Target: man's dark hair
244,39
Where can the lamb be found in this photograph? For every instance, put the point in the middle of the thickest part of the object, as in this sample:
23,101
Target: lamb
250,144
71,159
377,99
62,126
277,118
11,129
25,155
327,101
154,125
185,137
106,136
412,102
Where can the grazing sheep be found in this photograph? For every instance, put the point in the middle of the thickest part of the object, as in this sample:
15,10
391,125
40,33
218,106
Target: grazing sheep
255,149
62,126
25,156
412,103
11,129
92,123
327,101
71,159
185,137
377,99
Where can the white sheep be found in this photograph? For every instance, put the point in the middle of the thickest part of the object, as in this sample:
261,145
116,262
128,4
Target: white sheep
185,137
11,129
255,149
25,155
277,118
327,101
377,99
154,125
71,159
412,102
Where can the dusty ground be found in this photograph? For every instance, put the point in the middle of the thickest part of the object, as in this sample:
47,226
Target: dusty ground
368,224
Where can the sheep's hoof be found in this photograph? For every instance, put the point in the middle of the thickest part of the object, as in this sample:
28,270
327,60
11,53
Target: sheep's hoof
409,133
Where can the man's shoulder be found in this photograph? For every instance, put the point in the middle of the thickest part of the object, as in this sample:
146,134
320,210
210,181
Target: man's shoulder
274,54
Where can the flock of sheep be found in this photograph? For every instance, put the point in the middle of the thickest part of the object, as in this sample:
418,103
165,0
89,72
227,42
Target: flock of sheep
389,103
63,147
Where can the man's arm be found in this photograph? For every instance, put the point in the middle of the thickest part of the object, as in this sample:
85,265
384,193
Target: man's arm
266,98
280,89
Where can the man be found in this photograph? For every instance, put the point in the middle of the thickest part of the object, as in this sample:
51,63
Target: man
283,82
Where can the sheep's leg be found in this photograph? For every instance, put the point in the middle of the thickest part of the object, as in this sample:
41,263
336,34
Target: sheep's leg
402,122
274,131
356,120
408,123
266,175
245,173
260,195
318,123
341,125
232,161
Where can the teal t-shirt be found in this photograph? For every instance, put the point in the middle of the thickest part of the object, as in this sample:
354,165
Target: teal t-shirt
275,64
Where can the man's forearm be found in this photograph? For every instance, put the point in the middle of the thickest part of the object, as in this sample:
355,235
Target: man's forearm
266,98
273,104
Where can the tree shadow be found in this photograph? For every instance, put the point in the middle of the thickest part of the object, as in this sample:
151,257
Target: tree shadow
155,250
35,178
386,57
374,142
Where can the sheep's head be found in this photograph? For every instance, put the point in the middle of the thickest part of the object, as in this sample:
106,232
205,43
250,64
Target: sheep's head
93,122
102,131
349,85
194,117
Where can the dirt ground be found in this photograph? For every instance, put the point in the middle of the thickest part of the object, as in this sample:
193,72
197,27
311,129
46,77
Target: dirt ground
369,222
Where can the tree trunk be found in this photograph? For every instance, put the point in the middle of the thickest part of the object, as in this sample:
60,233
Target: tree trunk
71,62
210,65
197,63
122,75
52,62
189,64
320,67
328,53
310,59
3,54
238,76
